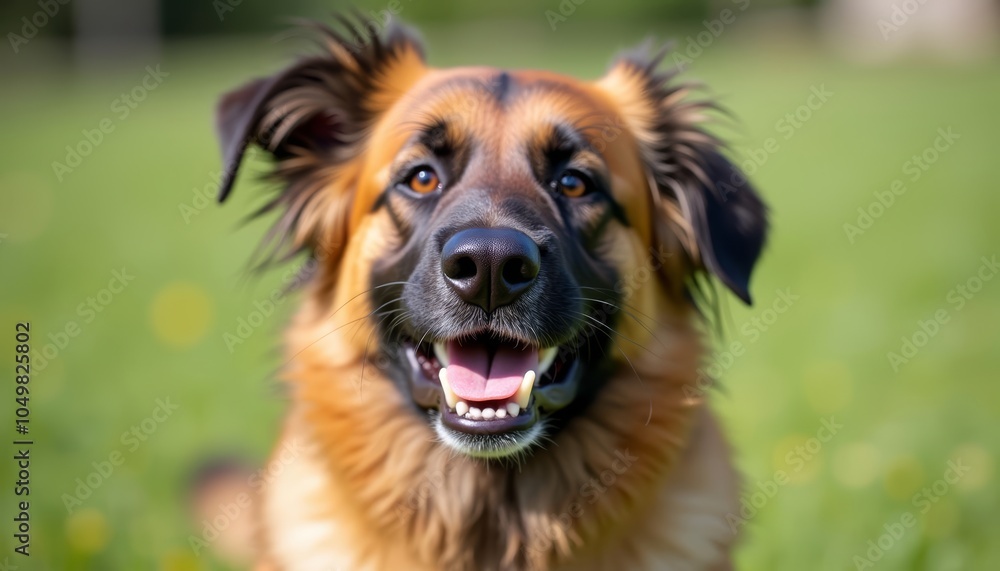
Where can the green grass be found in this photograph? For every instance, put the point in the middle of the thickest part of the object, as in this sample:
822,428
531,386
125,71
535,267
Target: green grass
825,356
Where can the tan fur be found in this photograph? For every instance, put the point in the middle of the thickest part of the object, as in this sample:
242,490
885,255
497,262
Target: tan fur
372,488
379,492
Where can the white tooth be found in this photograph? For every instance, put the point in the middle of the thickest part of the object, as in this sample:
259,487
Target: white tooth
489,413
513,409
461,408
475,413
524,393
501,413
547,357
449,395
441,352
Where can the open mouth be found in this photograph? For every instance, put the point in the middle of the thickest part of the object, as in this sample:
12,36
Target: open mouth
485,385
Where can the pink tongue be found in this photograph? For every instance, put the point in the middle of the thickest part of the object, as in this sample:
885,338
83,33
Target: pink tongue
474,378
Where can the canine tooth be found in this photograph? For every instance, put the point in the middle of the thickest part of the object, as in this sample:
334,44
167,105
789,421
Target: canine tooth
501,412
441,352
548,356
475,413
489,413
524,393
513,408
461,407
449,395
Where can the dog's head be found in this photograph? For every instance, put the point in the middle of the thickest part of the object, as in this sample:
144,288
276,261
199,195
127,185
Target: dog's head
505,240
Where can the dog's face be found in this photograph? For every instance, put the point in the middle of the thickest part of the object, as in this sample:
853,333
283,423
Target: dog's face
495,223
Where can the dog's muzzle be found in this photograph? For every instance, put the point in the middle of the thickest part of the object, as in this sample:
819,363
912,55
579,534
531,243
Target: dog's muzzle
491,389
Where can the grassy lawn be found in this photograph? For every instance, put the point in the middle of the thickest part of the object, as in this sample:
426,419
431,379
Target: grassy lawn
813,350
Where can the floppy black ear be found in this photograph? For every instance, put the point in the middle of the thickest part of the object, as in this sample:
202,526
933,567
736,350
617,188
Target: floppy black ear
701,197
729,221
321,104
236,121
313,119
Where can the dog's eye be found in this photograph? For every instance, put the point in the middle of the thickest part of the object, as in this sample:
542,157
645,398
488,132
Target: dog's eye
572,184
424,180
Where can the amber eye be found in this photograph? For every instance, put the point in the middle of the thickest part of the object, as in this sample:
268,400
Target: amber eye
424,180
572,184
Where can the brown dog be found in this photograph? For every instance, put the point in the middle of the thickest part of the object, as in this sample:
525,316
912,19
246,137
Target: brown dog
495,366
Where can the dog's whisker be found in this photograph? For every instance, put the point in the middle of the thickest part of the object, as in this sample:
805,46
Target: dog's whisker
364,361
377,312
632,366
369,290
628,313
400,319
599,323
332,331
422,337
625,305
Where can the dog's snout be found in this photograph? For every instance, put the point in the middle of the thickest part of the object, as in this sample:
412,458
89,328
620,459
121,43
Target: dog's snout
490,267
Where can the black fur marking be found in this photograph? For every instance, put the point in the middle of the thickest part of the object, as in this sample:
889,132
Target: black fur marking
310,117
728,217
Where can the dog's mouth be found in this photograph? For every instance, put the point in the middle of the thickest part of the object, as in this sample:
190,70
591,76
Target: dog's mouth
486,385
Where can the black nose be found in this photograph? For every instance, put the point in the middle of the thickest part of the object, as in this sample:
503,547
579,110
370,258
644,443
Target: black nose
490,267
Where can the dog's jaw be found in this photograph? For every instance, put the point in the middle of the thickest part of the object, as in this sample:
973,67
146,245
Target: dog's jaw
509,445
393,493
506,428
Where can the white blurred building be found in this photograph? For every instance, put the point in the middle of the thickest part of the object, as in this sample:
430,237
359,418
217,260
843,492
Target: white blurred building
883,30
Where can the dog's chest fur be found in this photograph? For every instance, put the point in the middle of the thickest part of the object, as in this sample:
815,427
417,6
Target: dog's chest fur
312,523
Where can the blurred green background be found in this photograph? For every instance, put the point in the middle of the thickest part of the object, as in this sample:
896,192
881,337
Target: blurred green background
141,203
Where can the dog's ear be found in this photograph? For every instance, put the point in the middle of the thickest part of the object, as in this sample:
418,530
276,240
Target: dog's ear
312,118
702,201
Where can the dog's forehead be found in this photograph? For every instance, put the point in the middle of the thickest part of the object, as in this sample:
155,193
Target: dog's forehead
506,113
510,109
495,102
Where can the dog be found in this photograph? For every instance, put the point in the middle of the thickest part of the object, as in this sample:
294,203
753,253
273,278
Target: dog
495,363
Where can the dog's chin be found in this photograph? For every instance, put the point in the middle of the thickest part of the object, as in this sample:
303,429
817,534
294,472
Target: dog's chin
491,397
495,446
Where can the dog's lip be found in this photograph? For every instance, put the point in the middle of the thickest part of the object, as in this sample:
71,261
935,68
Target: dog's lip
523,421
544,399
